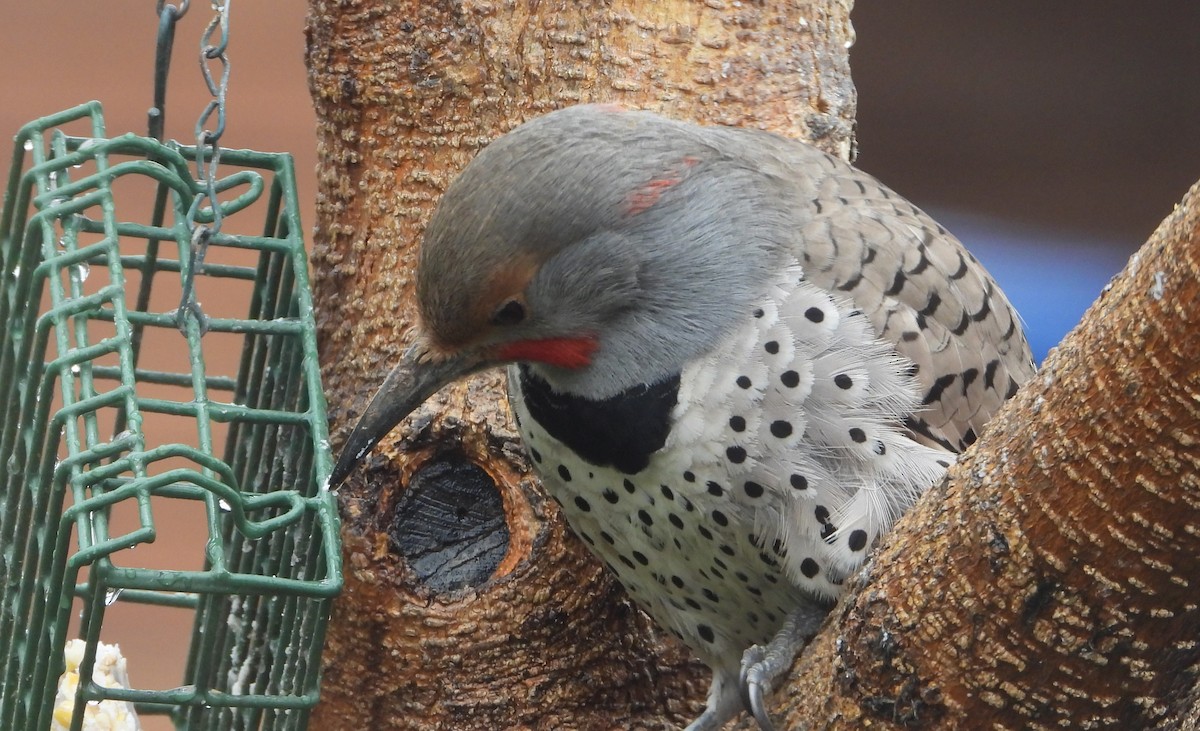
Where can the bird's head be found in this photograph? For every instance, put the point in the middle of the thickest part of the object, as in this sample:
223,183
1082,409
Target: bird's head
600,246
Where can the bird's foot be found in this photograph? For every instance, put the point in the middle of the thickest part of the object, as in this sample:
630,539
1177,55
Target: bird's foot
757,680
762,666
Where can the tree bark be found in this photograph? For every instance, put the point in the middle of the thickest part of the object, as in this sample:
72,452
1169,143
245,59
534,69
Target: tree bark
1053,579
516,625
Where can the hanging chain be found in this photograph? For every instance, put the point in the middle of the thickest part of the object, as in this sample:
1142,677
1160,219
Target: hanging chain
208,157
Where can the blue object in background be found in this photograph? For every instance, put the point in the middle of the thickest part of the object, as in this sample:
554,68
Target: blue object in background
1051,277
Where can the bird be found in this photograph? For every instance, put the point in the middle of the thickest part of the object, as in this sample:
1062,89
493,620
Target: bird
733,359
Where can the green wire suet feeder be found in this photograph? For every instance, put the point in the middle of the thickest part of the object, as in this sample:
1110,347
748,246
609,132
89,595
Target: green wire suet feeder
85,463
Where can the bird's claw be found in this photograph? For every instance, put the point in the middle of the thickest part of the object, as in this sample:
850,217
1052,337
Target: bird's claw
755,685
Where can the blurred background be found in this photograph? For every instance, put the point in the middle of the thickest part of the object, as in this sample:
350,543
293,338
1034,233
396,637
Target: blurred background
1050,137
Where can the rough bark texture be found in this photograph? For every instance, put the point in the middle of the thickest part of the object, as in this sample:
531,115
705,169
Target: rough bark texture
406,92
1051,581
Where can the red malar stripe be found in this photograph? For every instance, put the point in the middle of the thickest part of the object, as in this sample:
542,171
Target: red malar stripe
561,352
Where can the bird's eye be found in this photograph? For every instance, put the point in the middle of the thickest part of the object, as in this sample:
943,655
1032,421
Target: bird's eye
510,313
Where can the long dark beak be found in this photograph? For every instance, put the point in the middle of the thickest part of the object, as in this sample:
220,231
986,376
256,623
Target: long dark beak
413,380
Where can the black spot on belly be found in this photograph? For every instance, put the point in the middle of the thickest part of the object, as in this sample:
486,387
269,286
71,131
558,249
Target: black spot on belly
622,431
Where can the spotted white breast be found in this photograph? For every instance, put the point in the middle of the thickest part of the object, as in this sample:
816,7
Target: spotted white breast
783,459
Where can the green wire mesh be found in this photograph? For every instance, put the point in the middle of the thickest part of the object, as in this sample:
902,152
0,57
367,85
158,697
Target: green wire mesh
86,467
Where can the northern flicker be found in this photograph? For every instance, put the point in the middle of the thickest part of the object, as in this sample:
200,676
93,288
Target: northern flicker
734,360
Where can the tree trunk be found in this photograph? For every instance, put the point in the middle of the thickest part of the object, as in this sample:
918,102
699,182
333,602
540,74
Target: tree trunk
467,604
1051,580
